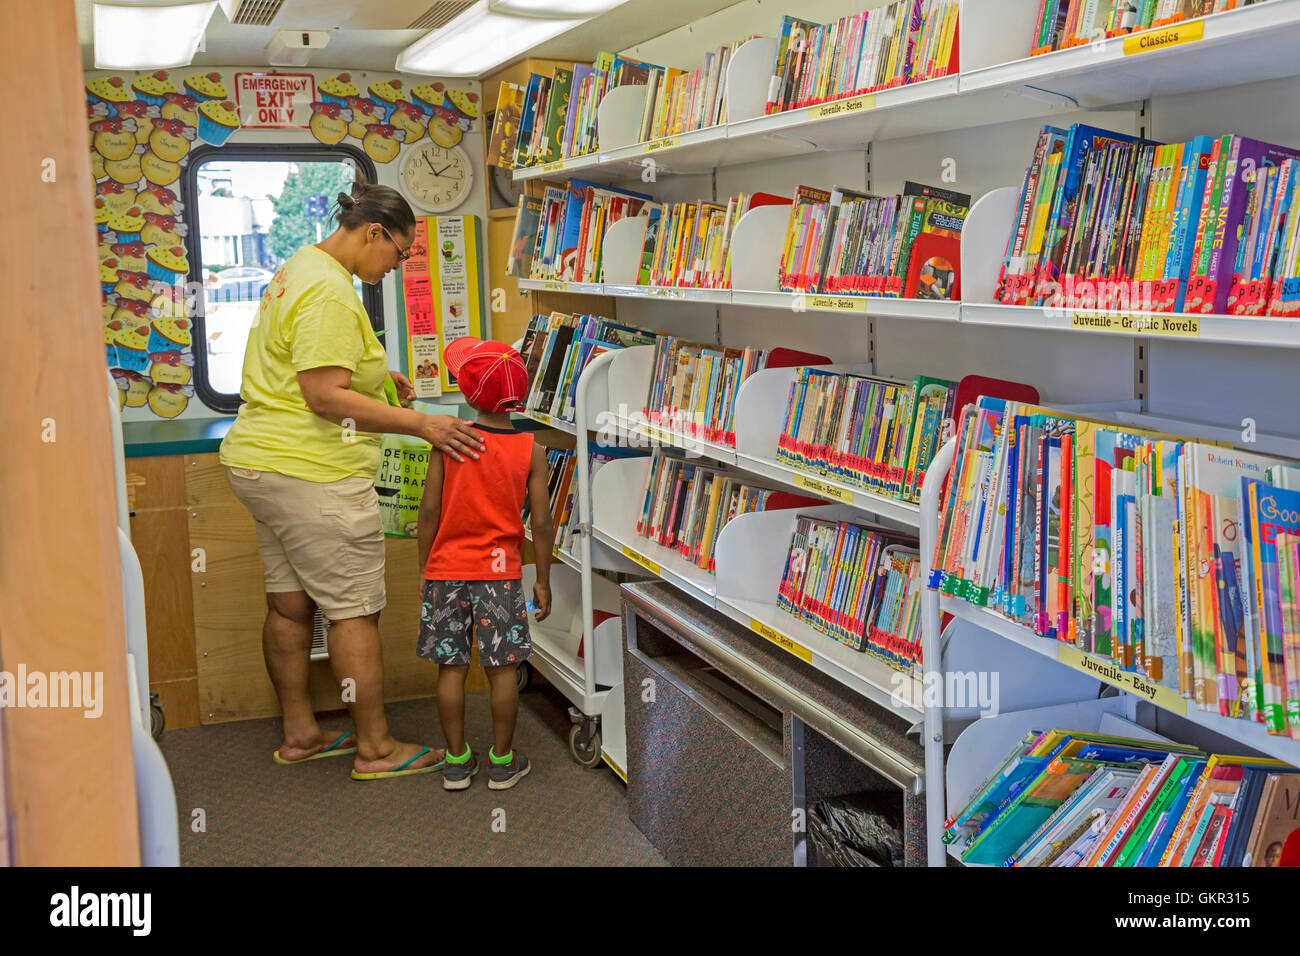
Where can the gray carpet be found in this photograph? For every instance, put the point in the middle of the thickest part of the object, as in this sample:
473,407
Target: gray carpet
259,813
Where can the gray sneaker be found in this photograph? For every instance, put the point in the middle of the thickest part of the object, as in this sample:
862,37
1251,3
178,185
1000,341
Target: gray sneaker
458,776
503,776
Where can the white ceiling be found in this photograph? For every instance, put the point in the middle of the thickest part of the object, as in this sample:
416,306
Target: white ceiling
368,34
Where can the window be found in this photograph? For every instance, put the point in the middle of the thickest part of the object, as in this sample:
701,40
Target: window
247,211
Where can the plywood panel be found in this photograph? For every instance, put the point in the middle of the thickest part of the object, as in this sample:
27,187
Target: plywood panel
230,608
71,797
162,542
180,701
156,482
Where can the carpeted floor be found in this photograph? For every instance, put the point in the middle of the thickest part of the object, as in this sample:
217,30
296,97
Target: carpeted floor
262,814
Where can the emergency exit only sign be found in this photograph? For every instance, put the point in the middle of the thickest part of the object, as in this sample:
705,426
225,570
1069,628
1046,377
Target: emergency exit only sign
275,100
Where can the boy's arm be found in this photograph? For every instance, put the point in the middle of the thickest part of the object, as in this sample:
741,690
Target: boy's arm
543,527
430,509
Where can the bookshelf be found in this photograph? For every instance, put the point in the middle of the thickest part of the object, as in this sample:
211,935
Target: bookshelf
986,116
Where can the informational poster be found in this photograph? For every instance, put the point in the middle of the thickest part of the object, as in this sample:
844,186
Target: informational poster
442,284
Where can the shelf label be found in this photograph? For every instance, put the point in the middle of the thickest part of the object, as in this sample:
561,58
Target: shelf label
554,285
1149,40
1128,323
545,168
836,303
780,640
855,104
819,487
1130,681
668,142
643,561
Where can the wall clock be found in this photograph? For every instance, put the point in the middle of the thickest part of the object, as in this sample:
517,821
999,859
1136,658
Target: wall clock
436,178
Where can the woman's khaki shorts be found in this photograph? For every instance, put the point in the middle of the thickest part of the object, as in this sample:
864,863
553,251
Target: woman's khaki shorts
324,538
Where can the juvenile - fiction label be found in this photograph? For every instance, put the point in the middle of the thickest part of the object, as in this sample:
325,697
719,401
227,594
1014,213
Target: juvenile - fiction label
643,561
780,640
1129,681
1127,323
1160,38
823,488
854,104
836,303
657,144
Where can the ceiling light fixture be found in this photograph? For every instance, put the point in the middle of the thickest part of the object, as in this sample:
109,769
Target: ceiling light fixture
553,8
155,37
476,41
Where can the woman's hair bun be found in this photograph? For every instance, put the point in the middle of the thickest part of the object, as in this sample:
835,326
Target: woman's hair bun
345,201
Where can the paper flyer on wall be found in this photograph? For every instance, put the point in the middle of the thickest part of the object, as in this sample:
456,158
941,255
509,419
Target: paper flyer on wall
442,284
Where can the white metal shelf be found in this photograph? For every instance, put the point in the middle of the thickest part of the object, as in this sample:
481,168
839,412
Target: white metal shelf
1246,732
997,84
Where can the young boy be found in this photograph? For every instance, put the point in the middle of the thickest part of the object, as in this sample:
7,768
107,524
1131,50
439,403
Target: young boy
470,535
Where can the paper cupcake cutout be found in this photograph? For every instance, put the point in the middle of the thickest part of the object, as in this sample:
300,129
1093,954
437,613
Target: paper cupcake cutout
329,122
153,87
168,401
113,138
205,86
337,89
170,139
365,112
411,119
108,90
183,107
171,368
217,120
159,199
382,142
161,230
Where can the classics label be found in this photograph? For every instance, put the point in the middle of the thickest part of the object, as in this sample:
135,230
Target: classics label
780,640
825,489
1158,39
854,104
1127,323
643,561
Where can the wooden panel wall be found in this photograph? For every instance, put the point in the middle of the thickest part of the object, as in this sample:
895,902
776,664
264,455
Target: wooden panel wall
161,533
71,789
230,605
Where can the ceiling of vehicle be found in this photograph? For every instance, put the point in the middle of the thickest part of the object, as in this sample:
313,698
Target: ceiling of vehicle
369,34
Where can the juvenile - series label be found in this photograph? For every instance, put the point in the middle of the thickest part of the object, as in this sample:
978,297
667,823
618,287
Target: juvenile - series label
823,488
780,640
643,561
854,104
836,303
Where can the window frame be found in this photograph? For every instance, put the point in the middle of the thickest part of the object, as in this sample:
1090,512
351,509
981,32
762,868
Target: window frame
372,296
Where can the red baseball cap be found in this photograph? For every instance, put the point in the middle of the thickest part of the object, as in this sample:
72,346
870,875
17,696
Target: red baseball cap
492,375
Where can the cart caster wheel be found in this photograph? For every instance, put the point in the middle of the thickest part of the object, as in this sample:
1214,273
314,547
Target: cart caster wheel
585,747
157,719
523,677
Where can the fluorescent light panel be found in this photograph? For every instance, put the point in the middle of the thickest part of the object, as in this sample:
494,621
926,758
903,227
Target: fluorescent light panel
149,37
553,8
476,41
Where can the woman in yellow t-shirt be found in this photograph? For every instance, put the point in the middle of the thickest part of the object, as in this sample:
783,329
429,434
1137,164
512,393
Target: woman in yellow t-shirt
302,457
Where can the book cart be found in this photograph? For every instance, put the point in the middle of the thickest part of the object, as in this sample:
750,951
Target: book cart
1230,72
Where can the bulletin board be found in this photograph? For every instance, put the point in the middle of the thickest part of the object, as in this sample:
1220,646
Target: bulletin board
142,128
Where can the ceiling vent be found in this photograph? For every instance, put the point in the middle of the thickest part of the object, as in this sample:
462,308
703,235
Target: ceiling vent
440,14
256,13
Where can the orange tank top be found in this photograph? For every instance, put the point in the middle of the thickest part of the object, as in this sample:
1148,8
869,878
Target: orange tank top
481,530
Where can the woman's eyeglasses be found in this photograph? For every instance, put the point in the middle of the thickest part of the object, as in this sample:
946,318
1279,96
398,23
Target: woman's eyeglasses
402,254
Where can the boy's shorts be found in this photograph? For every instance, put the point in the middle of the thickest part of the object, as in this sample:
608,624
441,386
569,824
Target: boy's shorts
495,609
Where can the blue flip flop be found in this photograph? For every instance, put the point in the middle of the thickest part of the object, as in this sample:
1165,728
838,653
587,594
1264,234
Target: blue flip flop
401,771
333,750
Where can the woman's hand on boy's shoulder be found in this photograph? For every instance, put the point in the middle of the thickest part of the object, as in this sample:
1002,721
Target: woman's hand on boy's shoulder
453,436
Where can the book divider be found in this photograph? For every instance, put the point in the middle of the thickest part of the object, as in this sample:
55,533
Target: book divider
618,116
